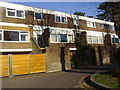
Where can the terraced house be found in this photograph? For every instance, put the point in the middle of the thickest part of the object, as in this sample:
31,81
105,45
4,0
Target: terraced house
30,30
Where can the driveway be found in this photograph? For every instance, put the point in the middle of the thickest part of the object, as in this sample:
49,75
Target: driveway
45,80
68,79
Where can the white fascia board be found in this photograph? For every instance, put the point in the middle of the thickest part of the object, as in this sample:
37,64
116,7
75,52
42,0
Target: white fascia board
15,50
23,7
12,24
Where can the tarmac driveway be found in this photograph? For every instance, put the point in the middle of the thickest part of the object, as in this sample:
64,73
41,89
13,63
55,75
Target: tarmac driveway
45,80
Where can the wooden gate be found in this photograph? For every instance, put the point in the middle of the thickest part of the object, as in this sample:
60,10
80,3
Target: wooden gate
22,64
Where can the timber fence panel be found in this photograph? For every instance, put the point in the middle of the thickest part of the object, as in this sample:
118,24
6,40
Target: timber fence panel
4,65
37,63
20,64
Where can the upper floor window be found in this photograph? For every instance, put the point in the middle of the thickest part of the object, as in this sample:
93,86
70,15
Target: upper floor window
15,13
38,16
20,13
91,24
7,35
60,19
101,25
24,36
95,40
0,35
111,27
10,12
75,21
115,39
64,20
11,36
57,19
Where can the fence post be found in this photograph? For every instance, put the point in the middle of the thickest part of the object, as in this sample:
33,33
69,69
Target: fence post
29,64
10,65
46,63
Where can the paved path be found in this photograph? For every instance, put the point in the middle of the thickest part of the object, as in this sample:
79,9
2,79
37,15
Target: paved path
45,80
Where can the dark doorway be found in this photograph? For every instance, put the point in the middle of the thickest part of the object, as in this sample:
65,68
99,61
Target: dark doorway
62,58
100,55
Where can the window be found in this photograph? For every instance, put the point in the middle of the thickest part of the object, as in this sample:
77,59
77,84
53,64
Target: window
101,25
60,19
75,22
0,35
11,36
111,27
24,36
20,13
89,38
38,16
62,37
91,24
10,12
14,13
115,40
95,39
53,37
64,20
57,19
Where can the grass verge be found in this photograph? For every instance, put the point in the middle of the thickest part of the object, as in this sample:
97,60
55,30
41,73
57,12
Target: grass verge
107,79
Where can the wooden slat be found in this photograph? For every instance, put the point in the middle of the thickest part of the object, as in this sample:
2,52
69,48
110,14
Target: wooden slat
20,64
4,70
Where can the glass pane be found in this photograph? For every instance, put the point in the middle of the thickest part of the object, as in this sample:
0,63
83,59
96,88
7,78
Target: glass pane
24,37
23,32
63,37
10,13
54,38
38,16
11,36
64,20
57,18
20,13
0,36
101,25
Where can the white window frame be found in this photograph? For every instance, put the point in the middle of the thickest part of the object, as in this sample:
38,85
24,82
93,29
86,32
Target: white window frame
90,24
61,19
15,10
19,36
35,17
102,26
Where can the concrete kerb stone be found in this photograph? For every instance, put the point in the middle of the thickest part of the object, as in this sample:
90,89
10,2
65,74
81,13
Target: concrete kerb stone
98,84
84,84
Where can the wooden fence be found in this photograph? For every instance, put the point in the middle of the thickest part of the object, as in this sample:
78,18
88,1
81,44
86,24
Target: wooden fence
22,64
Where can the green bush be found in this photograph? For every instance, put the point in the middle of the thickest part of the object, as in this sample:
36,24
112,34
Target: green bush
85,54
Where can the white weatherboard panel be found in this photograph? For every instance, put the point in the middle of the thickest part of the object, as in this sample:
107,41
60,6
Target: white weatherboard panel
15,50
12,24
